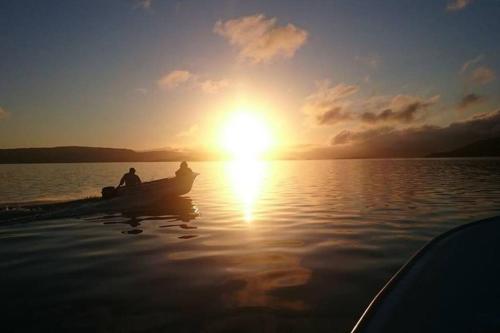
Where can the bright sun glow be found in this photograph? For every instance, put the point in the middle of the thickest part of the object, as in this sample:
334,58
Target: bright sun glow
245,136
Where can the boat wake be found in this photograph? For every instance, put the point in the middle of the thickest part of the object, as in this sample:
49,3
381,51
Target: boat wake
180,207
152,196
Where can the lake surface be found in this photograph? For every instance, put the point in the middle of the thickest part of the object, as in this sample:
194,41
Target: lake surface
288,246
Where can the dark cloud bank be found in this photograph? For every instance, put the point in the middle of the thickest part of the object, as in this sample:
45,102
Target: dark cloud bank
417,141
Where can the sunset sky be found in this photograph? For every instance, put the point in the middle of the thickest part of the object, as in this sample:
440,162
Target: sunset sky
342,77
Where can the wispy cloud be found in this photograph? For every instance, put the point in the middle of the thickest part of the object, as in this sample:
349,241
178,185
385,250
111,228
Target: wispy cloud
455,5
174,79
328,104
482,75
333,116
331,105
178,78
213,86
400,109
141,91
260,39
3,113
371,62
144,4
479,75
469,100
470,63
189,132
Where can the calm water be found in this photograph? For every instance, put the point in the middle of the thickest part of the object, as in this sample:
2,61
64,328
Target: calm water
258,247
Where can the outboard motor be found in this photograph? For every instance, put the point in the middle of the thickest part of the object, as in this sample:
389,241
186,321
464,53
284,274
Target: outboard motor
108,192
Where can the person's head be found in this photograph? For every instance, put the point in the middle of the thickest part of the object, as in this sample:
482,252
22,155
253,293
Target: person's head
131,170
184,164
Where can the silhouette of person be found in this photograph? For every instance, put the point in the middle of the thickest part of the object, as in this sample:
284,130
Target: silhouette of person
130,179
184,170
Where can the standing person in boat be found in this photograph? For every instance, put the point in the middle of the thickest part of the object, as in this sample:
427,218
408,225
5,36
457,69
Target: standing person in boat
184,170
130,179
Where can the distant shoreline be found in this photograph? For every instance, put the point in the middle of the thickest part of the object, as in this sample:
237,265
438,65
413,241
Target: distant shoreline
272,160
489,148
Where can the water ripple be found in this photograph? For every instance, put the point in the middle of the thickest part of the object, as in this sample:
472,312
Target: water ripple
303,244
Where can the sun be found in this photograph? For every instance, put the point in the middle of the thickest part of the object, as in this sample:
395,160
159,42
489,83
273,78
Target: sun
246,136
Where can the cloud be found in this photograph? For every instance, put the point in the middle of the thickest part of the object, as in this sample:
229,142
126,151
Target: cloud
325,106
482,75
470,63
3,113
260,39
213,86
189,132
178,78
347,136
368,61
456,5
174,79
332,116
331,105
144,4
469,100
417,141
141,91
400,109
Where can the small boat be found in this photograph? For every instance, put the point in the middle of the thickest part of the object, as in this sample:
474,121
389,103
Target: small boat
153,190
450,285
139,198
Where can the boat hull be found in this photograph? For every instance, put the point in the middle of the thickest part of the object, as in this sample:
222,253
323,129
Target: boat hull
451,285
153,190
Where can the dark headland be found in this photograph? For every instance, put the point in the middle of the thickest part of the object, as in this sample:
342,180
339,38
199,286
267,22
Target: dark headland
481,148
85,154
77,154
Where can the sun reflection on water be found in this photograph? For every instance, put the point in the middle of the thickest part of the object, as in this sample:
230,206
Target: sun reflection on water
247,180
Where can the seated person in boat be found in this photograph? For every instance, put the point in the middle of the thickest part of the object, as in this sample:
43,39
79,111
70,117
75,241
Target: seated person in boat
184,170
130,179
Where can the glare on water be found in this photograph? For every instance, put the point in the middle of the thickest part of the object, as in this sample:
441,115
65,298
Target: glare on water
246,179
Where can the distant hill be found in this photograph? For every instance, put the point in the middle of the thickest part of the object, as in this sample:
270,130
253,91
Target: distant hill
75,154
85,154
482,148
